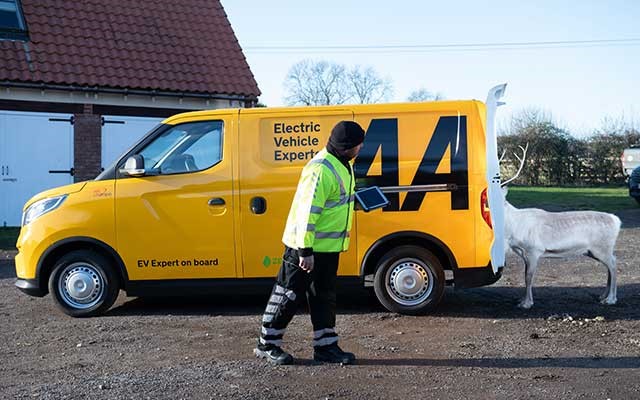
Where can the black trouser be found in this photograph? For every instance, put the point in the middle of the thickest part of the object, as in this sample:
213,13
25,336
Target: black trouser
289,290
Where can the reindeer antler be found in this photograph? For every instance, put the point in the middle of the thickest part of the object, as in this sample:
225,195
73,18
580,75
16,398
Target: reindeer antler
502,156
524,156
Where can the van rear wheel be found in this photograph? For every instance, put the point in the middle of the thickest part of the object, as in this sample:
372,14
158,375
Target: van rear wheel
409,280
83,284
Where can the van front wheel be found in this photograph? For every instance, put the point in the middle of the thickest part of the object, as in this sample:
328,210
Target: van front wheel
82,284
409,280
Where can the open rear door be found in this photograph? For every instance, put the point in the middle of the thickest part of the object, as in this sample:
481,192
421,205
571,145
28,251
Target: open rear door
496,200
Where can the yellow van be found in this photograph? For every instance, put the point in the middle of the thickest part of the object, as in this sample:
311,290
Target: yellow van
199,204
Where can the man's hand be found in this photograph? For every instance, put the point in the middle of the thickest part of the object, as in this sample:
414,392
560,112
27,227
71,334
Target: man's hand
306,263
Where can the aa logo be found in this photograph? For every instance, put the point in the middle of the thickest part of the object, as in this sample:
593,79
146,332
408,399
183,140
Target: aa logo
382,134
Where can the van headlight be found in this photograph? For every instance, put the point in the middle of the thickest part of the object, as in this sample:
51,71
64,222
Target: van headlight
41,207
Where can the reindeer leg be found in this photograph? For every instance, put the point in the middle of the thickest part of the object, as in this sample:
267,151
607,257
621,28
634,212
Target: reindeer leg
610,295
530,267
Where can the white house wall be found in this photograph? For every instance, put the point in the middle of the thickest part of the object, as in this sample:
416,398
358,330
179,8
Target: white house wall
30,147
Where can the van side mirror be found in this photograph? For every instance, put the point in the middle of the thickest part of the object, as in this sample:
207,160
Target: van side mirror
134,166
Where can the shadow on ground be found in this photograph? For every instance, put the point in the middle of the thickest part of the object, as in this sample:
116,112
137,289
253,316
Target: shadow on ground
491,302
497,302
500,302
517,362
630,218
7,269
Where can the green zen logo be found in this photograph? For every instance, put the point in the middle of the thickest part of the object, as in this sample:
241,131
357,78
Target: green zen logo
382,134
268,261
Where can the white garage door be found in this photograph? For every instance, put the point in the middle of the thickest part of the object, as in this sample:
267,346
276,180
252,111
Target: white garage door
31,146
119,133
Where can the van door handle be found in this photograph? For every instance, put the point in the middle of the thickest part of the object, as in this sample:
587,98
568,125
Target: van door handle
216,201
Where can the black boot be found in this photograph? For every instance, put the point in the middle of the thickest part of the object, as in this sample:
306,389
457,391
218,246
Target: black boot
333,354
274,354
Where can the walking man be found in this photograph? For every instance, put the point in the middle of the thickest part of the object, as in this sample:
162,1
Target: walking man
317,230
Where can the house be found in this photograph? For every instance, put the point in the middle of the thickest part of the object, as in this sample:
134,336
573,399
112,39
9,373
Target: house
80,81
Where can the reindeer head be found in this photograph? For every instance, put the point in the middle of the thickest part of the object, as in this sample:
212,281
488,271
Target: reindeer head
508,208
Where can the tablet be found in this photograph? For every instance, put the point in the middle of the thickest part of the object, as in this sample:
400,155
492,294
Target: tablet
371,198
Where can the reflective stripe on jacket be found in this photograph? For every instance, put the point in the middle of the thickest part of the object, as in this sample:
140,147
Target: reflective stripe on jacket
322,209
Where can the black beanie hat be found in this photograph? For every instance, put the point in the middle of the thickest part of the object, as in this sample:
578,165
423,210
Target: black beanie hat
346,135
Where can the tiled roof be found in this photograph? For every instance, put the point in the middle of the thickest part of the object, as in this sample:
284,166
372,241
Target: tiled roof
165,45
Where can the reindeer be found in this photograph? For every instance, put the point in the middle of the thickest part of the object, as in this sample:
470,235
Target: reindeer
534,233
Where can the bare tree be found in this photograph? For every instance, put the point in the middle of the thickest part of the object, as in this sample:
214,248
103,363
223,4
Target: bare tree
558,158
321,82
605,146
549,162
529,117
367,87
423,94
316,83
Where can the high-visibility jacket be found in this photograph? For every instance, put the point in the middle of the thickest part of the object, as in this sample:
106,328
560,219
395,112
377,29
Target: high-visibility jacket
322,210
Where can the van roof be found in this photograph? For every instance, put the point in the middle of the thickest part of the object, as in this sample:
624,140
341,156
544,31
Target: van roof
448,105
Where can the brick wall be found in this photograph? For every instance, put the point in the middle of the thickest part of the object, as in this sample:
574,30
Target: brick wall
87,145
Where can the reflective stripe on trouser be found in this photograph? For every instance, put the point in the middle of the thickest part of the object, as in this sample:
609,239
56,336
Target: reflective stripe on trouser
280,301
291,285
324,337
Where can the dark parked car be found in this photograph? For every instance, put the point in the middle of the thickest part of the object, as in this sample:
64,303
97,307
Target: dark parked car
634,184
630,159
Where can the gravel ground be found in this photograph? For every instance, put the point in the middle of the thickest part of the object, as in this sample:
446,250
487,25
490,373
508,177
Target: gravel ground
477,346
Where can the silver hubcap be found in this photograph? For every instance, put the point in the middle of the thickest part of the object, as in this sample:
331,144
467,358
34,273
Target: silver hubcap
409,282
81,285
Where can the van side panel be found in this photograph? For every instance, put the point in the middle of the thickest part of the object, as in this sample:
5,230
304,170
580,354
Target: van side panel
180,225
274,147
434,153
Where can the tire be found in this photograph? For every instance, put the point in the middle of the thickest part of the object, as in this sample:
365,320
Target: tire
83,284
409,280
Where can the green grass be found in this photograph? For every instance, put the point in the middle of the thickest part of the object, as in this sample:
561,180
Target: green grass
8,238
560,198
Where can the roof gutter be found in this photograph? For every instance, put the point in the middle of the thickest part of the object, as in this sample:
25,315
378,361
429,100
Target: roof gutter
125,92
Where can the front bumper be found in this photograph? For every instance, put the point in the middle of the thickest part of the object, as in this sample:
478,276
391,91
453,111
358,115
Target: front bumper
30,287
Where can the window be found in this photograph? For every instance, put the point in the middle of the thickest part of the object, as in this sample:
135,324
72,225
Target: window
12,24
183,148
